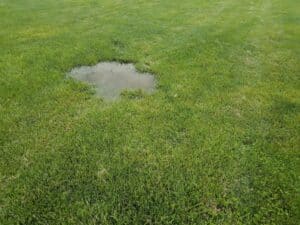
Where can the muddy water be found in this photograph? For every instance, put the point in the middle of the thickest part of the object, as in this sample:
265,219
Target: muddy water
111,78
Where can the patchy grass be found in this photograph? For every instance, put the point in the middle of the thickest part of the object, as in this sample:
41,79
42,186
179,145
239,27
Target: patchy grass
218,142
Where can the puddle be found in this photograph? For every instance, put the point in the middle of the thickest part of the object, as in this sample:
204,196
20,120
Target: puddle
111,78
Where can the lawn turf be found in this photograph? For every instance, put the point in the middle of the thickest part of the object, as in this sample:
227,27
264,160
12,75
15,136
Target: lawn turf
218,142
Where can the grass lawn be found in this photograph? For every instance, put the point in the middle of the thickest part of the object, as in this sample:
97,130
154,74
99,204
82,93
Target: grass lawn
217,143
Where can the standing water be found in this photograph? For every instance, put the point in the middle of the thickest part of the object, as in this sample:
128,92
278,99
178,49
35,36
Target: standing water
111,78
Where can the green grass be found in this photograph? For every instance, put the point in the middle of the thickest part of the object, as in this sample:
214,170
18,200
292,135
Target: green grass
218,143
